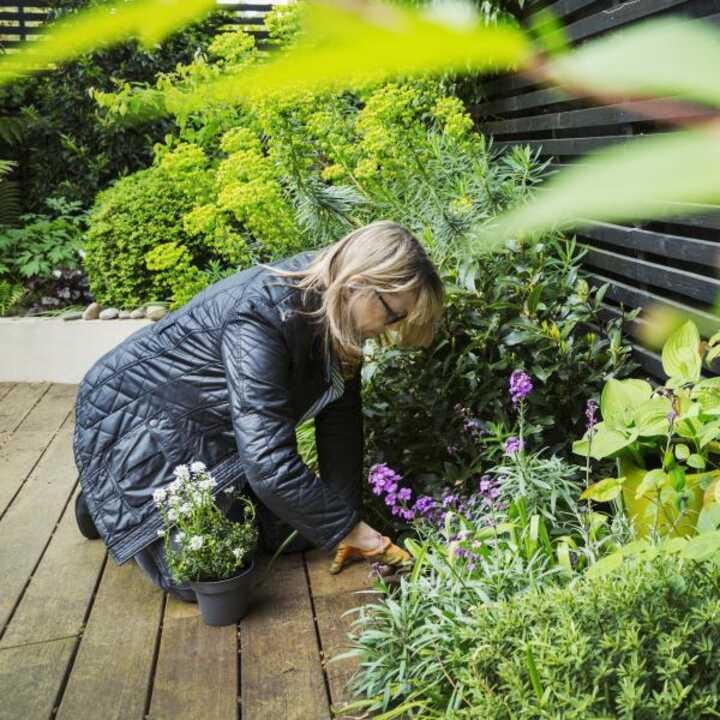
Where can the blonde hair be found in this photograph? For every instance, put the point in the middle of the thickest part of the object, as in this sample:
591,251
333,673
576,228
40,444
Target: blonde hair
382,256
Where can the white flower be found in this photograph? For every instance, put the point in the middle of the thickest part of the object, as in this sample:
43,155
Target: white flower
196,542
161,532
185,508
180,536
172,515
175,486
159,495
229,490
198,467
237,552
182,472
207,484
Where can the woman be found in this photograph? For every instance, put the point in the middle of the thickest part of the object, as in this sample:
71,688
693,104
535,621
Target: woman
225,380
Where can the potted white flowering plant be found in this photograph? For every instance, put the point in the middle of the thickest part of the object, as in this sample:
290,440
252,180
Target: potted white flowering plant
206,549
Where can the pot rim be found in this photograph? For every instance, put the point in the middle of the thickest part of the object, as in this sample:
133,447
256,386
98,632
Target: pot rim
215,586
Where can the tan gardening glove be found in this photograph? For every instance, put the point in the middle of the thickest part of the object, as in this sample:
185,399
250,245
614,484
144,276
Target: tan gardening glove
386,553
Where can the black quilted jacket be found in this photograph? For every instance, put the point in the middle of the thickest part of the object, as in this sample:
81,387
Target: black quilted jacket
223,380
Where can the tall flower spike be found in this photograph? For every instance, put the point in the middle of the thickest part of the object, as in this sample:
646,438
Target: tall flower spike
520,386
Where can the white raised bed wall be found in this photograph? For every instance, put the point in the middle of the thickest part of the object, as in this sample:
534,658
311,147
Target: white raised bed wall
52,350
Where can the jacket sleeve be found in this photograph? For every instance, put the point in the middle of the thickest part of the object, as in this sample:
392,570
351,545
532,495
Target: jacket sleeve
340,442
256,361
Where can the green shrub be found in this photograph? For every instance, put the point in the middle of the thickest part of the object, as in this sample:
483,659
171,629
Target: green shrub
643,643
138,220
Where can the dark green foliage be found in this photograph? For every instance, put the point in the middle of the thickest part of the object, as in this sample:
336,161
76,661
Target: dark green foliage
530,310
43,244
68,148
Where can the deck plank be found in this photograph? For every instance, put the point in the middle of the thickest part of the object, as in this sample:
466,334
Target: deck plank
22,449
50,609
197,668
5,388
30,672
333,595
17,403
281,675
29,522
112,671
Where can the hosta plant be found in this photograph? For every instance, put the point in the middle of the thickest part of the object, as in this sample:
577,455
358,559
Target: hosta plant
664,441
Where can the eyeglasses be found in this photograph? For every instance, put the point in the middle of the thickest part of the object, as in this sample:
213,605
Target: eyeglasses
392,316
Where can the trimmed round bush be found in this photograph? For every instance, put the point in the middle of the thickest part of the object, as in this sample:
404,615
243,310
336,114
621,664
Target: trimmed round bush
136,215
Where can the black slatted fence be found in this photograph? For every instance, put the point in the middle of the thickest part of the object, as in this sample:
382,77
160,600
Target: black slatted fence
673,262
24,20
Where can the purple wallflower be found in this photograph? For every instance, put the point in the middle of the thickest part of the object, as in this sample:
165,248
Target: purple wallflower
513,445
520,386
404,494
591,414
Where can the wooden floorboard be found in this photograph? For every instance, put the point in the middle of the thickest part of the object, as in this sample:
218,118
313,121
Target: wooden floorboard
197,668
334,598
279,653
81,637
112,673
29,522
17,404
25,446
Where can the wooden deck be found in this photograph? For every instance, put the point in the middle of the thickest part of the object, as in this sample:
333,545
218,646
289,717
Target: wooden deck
81,637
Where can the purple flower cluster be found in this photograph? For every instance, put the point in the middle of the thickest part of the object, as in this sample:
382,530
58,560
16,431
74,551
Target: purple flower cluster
513,445
471,424
591,414
487,498
385,480
520,386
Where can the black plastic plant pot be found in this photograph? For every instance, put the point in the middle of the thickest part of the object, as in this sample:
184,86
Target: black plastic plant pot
224,602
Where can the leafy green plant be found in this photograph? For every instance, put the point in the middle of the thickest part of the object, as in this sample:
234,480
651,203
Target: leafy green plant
10,295
69,147
44,243
669,435
641,643
525,307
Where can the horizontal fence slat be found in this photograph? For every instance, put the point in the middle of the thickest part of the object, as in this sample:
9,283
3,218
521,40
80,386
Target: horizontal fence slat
563,8
703,252
587,117
623,14
572,146
536,99
26,16
682,282
633,297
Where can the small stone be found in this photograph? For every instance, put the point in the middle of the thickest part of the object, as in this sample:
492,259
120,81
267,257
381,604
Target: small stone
137,314
109,314
156,312
92,311
72,315
124,314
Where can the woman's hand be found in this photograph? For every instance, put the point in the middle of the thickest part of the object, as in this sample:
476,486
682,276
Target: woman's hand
365,543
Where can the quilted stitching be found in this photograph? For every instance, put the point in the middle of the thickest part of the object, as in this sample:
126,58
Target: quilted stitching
236,413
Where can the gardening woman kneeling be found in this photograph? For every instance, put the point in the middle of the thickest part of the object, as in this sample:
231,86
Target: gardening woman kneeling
226,379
